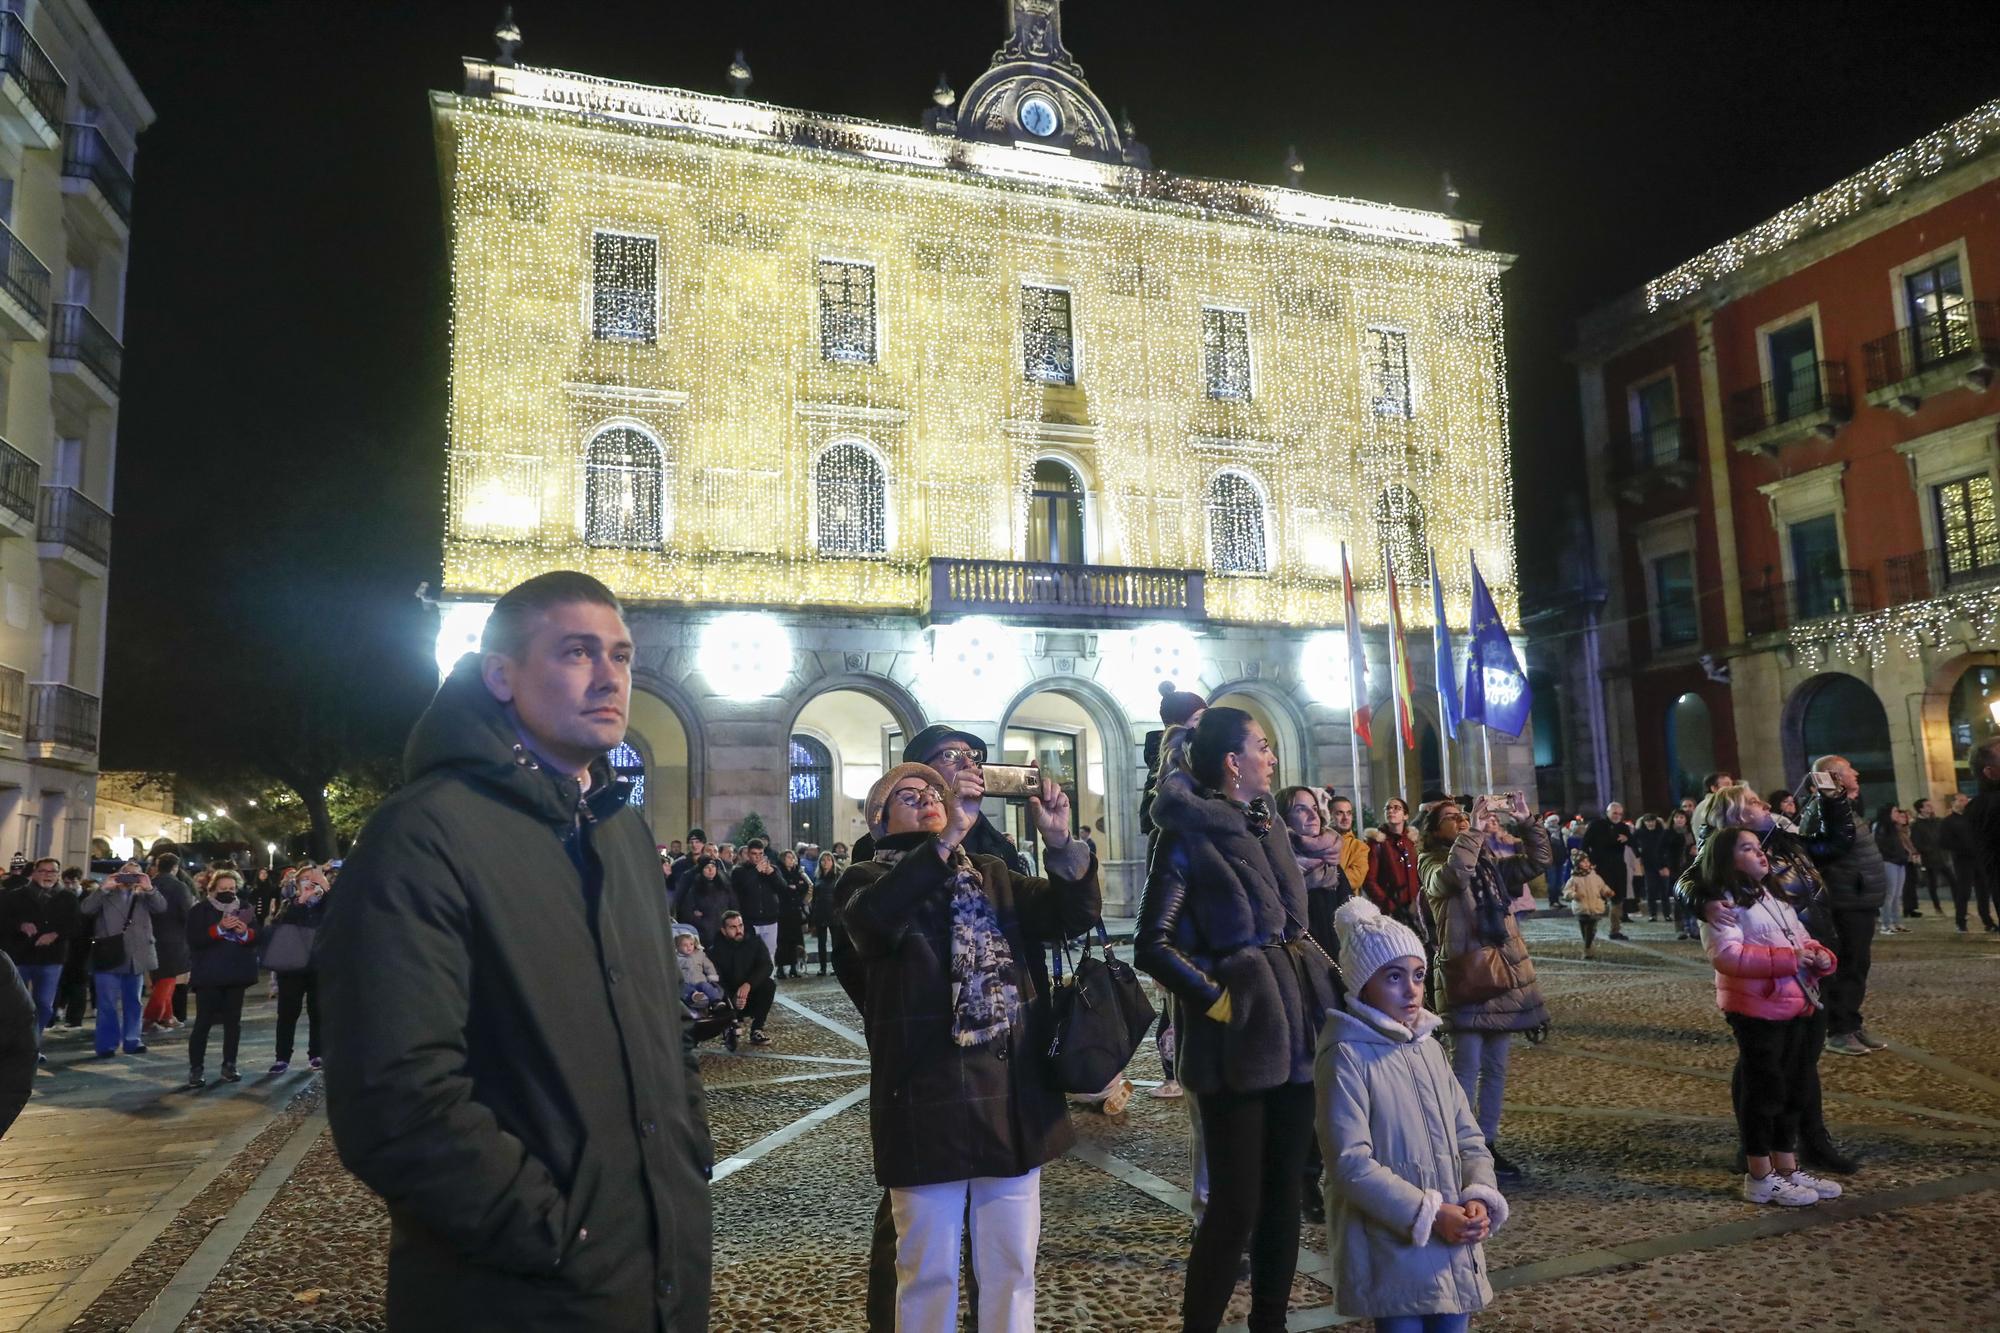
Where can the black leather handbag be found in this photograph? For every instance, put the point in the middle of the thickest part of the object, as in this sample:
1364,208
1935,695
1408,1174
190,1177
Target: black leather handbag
1101,1016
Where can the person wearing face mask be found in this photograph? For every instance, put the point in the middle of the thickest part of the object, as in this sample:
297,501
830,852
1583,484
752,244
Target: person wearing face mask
1223,927
298,985
221,942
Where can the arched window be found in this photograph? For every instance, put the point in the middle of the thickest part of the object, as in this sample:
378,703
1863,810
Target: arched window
1055,514
1237,543
811,791
627,763
1399,530
622,472
851,496
1690,746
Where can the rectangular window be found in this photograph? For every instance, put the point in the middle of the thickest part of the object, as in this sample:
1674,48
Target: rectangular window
847,312
1819,588
1048,342
1389,371
1795,386
1940,323
1968,529
1673,600
1225,352
624,287
1657,432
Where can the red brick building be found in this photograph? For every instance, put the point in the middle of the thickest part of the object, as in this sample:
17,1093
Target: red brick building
1793,443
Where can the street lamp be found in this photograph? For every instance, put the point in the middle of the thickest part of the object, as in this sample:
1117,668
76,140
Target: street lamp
271,855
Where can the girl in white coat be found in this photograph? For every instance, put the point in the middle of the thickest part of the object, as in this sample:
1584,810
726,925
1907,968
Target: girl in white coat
1409,1182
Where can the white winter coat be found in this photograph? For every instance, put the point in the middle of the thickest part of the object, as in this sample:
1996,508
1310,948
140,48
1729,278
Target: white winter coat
1400,1142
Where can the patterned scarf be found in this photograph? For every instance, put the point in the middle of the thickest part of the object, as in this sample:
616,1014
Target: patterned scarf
985,1000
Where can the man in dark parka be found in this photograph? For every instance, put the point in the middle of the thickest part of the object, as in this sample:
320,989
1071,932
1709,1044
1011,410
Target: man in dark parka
505,1062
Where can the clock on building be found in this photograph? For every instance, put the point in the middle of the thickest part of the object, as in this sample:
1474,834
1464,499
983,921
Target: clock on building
1039,116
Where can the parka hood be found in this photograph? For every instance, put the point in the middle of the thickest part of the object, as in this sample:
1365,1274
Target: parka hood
467,730
1368,1026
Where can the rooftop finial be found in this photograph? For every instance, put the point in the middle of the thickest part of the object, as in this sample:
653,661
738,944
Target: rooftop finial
944,94
506,37
1448,194
1295,166
739,74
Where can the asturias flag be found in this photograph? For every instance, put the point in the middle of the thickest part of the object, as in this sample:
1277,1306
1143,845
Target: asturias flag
1357,656
1400,652
1447,683
1496,689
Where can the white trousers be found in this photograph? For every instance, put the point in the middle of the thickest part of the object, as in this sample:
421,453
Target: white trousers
1006,1231
769,934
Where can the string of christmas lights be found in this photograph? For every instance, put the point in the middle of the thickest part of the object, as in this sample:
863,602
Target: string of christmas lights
827,354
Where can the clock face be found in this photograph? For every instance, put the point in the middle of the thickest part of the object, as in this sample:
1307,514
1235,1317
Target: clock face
1039,116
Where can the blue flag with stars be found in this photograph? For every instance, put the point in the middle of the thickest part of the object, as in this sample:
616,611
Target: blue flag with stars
1496,689
1447,685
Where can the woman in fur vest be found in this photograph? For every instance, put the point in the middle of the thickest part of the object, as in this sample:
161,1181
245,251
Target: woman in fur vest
1222,926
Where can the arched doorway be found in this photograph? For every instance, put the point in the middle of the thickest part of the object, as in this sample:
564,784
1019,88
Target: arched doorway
1423,767
1082,738
1971,719
1839,714
1690,747
660,740
840,743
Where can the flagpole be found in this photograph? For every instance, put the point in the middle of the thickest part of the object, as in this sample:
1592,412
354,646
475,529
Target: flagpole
1395,688
1486,742
1440,673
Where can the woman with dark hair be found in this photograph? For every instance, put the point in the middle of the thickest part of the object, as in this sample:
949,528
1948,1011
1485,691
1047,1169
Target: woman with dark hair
821,912
1472,868
1767,968
1222,926
1317,850
1893,841
791,914
1393,883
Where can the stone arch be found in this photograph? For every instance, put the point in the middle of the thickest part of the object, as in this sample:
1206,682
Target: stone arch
1805,736
904,713
1940,751
662,804
1121,847
1298,758
902,705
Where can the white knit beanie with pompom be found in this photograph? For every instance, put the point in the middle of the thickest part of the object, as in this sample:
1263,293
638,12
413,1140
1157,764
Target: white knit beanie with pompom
1370,941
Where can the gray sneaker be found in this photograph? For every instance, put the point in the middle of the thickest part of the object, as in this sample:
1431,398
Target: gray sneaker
1870,1040
1845,1044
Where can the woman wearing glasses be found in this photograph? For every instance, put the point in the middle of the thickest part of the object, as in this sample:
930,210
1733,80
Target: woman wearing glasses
961,1108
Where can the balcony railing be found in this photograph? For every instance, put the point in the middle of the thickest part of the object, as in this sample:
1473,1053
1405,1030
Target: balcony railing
62,715
13,701
87,156
1925,574
24,277
1021,587
1818,399
70,519
79,337
20,482
1834,592
1660,454
1966,334
22,57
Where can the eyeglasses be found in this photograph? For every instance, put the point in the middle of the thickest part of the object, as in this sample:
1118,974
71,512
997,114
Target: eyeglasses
959,755
915,798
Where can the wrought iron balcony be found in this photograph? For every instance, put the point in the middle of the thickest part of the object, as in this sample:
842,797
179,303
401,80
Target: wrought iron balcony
1073,592
13,701
79,338
1773,412
70,522
27,67
1661,455
1957,346
62,716
1775,607
87,156
24,283
20,484
1925,574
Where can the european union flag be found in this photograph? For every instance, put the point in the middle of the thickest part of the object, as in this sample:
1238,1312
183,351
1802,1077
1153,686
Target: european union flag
1496,689
1447,687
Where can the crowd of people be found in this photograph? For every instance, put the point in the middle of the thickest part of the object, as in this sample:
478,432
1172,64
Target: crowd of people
121,952
514,1064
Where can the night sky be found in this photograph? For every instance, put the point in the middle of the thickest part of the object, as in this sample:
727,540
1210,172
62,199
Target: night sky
280,469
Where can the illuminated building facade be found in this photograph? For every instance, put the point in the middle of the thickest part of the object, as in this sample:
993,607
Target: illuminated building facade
70,117
985,421
1794,446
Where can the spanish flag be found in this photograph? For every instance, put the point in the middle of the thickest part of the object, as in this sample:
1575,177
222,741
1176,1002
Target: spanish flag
1357,656
1400,670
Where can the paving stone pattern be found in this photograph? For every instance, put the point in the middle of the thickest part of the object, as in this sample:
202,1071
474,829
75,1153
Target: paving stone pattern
1630,1214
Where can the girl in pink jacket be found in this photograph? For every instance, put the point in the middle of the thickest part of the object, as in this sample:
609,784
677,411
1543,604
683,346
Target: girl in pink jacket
1767,969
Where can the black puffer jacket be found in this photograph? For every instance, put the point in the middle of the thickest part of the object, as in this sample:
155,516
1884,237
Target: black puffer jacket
1855,879
760,895
170,926
939,1111
1224,910
505,1062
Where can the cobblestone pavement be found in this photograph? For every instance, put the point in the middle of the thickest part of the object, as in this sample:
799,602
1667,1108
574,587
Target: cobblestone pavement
1629,1214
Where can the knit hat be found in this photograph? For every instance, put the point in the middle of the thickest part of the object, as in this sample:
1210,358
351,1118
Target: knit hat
877,808
1370,941
1177,706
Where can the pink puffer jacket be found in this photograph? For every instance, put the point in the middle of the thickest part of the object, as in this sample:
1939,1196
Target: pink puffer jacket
1757,962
